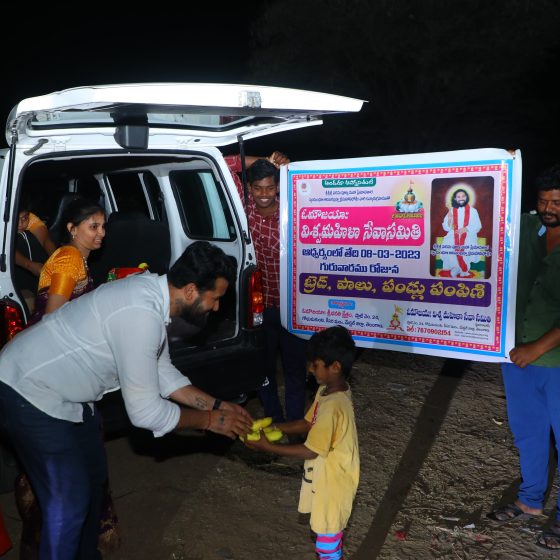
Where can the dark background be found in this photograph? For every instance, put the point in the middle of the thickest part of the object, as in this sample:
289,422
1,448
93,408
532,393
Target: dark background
437,75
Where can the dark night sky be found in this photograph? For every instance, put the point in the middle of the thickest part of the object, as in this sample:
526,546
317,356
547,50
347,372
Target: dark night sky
49,54
202,44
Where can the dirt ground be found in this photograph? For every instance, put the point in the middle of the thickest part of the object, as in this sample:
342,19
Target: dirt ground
436,456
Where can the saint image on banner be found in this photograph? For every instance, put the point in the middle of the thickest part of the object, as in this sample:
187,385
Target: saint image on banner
460,244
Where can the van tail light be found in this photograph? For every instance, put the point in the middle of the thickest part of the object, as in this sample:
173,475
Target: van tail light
256,299
12,321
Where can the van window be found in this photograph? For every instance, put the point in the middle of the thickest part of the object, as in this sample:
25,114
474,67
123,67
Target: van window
154,194
129,192
202,205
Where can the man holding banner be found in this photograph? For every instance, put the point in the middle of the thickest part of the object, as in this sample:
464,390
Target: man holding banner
532,380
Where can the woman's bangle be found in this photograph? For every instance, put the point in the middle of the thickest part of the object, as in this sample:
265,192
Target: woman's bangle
209,420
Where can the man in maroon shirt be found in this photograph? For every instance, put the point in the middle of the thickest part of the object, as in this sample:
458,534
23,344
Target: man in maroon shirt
263,215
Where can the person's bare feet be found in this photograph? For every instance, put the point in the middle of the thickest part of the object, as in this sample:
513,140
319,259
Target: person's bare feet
550,538
516,511
526,509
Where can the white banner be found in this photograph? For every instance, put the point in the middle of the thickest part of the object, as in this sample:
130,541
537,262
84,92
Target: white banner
412,253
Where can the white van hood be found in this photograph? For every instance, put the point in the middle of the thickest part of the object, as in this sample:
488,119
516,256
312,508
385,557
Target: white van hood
220,112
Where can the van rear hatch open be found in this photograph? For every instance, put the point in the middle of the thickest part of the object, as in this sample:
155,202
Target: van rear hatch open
214,114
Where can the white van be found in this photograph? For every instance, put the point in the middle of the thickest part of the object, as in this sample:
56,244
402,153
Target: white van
149,154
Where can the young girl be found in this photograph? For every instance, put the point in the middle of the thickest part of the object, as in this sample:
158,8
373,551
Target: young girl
332,464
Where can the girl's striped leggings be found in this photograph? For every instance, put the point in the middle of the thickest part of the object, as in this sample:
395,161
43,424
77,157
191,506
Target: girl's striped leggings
329,546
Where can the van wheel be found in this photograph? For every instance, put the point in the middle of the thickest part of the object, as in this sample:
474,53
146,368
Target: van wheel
9,469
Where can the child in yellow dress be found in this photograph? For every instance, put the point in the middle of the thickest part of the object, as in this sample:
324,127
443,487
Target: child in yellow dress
330,450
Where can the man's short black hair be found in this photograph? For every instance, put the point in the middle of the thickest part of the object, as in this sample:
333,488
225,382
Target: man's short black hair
334,344
549,179
201,264
261,169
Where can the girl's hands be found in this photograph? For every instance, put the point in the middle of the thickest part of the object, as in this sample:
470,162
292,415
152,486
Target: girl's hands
261,444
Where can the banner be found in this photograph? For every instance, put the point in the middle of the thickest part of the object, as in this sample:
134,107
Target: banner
412,253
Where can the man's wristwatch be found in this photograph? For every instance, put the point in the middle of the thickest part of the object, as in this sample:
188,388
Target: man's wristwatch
217,404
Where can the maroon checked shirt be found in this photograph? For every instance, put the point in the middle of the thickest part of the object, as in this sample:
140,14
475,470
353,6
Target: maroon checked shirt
265,233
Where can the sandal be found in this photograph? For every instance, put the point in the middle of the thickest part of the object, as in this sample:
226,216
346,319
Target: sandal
548,535
510,512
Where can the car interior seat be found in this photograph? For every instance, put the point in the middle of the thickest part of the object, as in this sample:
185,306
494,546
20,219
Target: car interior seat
131,238
55,230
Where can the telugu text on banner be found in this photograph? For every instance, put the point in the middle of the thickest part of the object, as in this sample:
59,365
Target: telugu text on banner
411,253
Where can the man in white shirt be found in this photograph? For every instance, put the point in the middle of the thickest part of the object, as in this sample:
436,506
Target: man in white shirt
459,248
115,336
